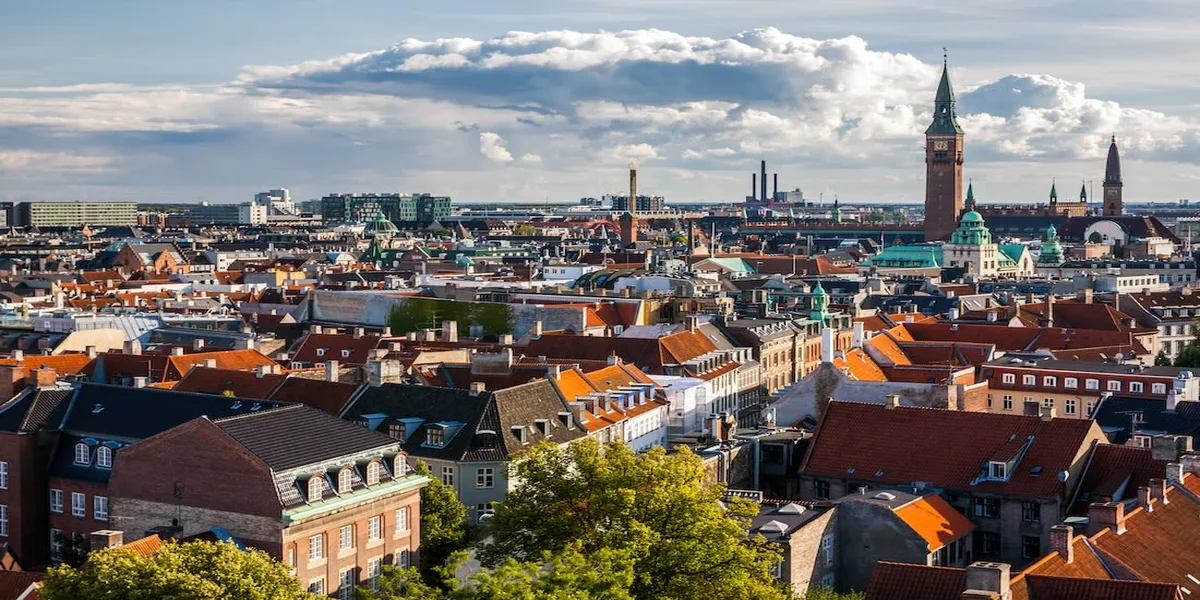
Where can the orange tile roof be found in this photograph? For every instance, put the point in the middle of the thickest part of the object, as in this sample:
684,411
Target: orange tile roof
146,546
1159,545
237,360
859,365
935,520
572,384
885,345
63,364
243,384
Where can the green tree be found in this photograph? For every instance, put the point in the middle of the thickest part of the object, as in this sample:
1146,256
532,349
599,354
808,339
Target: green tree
443,526
191,571
657,508
524,229
830,594
1189,356
1162,360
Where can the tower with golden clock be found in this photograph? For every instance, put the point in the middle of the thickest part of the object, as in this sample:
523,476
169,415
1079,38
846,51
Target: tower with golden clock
943,165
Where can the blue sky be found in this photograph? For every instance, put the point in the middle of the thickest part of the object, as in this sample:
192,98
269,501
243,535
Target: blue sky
154,100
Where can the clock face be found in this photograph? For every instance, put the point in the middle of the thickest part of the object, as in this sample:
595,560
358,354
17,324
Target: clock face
1112,193
941,145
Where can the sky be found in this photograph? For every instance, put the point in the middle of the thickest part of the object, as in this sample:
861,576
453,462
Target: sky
533,100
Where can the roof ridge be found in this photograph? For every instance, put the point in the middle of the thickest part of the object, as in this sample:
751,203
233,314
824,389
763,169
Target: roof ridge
284,407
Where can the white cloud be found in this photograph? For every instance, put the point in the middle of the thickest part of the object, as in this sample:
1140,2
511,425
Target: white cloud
492,147
593,102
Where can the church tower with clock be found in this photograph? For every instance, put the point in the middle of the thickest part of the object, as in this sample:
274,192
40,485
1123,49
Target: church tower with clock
943,165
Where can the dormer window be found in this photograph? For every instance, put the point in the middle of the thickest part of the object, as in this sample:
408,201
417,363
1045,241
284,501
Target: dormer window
373,472
320,352
543,426
346,353
400,466
397,432
435,435
345,480
998,471
83,454
104,457
521,433
315,491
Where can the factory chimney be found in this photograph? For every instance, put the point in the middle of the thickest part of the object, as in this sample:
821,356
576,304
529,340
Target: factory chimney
633,186
763,182
754,186
775,192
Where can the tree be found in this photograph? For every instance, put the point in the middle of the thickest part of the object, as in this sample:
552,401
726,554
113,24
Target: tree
443,526
830,594
191,571
1162,360
1190,355
657,508
524,229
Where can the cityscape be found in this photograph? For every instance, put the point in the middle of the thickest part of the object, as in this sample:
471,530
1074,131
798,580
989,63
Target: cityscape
513,325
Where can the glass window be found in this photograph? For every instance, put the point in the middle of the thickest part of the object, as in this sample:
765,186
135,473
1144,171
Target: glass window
402,559
987,507
4,520
1008,403
1158,388
1092,384
56,544
1070,406
1070,382
1048,402
317,586
83,454
346,537
375,528
78,504
401,519
400,466
396,431
1029,380
484,478
1136,387
485,511
346,585
448,476
827,549
56,501
1031,546
1049,381
1091,408
373,472
100,508
374,570
989,542
104,457
315,490
316,547
821,490
1008,378
435,436
345,481
1031,512
1114,385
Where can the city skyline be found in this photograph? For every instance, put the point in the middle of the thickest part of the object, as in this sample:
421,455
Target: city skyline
697,94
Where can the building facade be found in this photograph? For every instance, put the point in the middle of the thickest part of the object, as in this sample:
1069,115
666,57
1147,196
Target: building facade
346,208
74,214
943,165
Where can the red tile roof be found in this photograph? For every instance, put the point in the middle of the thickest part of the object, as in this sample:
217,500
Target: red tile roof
346,349
899,581
237,360
898,450
935,520
14,584
327,396
1160,545
243,384
859,365
1114,468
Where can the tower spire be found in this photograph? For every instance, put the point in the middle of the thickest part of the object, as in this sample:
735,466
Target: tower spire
945,120
969,205
1083,192
1053,191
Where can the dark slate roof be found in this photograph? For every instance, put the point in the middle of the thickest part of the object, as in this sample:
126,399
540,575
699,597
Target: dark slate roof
296,435
1023,225
431,405
12,413
523,405
1116,413
34,408
1135,226
117,412
927,305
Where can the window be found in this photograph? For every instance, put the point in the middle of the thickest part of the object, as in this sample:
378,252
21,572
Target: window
997,471
83,454
401,519
827,549
3,520
375,528
485,511
1029,380
374,570
1092,384
346,537
1158,388
1031,512
291,556
1049,381
400,466
1136,387
316,547
1091,408
345,481
821,490
1070,382
1114,385
78,504
448,476
1008,403
3,475
397,432
104,457
373,472
484,478
777,570
346,585
829,580
100,508
317,586
56,501
1070,406
987,507
346,353
56,544
320,352
402,559
989,401
1031,546
314,489
1048,402
989,542
435,436
1141,441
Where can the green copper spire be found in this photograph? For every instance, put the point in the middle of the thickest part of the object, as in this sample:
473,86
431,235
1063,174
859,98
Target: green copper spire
969,205
820,304
945,121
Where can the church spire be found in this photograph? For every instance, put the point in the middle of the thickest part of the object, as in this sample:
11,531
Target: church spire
969,205
1083,192
1112,169
945,121
1053,191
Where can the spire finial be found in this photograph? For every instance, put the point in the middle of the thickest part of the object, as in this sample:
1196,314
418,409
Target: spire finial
945,57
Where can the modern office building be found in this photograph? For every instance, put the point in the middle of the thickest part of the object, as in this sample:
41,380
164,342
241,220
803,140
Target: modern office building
73,214
425,208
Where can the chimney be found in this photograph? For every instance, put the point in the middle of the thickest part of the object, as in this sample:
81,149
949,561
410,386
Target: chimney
331,370
139,382
1174,473
988,580
210,363
1158,490
90,351
892,401
1170,447
477,388
450,331
506,339
133,347
692,322
359,332
763,181
859,334
316,329
1172,400
827,345
1060,542
612,359
553,371
243,344
1143,498
45,377
1046,412
754,186
198,345
18,355
953,314
1109,515
263,370
775,190
536,331
105,538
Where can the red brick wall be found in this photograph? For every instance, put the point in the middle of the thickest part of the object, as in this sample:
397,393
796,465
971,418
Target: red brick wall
68,523
25,498
215,471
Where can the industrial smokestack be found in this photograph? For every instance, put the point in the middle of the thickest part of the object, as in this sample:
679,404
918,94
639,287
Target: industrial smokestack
633,186
775,192
763,182
754,186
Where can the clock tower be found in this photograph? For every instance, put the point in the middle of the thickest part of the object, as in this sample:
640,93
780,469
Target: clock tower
1114,204
943,165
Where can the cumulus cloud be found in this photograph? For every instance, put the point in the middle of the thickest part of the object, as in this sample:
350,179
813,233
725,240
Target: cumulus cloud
491,145
592,101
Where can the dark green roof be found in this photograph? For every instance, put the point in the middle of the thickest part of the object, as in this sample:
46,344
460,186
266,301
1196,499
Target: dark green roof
945,121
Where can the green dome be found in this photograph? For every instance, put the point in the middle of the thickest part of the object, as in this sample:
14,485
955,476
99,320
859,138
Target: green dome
972,217
971,230
381,226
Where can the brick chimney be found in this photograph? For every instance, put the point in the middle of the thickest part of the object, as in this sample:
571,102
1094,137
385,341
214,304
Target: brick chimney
1158,490
331,370
45,377
1109,515
1060,542
988,580
450,331
1144,497
105,538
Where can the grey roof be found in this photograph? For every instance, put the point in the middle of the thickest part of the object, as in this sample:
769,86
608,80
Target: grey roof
298,435
1116,414
1039,361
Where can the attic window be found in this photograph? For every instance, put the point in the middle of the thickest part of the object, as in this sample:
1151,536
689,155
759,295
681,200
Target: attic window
400,466
83,454
543,426
435,435
397,432
104,457
373,472
345,481
320,352
997,471
521,433
315,491
346,353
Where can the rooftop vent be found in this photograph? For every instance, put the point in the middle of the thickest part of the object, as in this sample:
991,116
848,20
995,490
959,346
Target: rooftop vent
886,496
97,408
236,405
